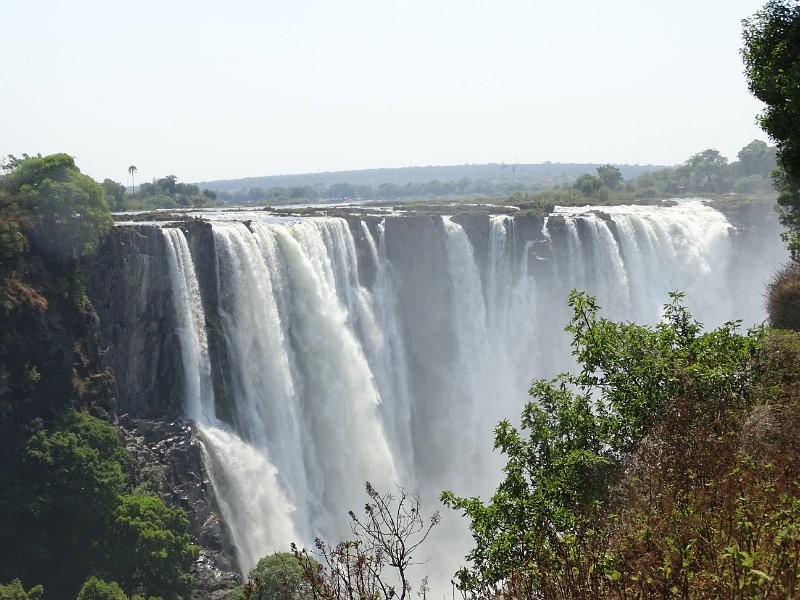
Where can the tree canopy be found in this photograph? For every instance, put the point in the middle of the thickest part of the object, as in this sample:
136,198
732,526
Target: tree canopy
65,515
64,211
278,576
613,470
771,54
151,552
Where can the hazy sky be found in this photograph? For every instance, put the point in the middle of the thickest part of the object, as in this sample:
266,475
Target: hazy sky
211,90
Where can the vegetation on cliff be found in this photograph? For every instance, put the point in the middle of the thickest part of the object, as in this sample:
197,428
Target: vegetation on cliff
771,56
63,211
67,511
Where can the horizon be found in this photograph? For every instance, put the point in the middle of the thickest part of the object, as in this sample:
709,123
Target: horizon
252,90
441,166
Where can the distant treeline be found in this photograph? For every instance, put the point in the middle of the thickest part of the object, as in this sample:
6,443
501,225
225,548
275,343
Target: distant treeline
455,182
704,173
547,173
463,188
707,172
166,192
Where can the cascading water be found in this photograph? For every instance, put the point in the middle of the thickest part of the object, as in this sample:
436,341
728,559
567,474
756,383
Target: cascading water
242,470
387,349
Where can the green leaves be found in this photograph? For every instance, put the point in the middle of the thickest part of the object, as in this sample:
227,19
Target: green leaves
151,551
15,591
577,430
64,515
771,55
65,211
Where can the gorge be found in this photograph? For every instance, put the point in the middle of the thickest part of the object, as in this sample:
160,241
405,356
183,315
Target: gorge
314,353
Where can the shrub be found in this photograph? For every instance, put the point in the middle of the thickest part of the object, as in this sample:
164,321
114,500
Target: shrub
279,576
151,550
614,469
12,242
15,591
97,589
783,297
65,209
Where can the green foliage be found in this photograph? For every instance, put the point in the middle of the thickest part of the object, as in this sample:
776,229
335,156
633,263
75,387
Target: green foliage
152,552
756,158
542,527
12,242
279,576
56,499
706,171
65,211
610,175
168,192
771,56
15,591
115,194
588,184
97,589
63,472
63,515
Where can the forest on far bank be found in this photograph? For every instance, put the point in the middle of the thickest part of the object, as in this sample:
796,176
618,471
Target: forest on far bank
706,173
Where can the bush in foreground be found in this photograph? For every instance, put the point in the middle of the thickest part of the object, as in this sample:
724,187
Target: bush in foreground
667,467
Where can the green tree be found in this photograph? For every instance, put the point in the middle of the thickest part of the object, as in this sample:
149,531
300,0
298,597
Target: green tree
756,158
97,589
168,192
279,576
707,170
12,243
15,591
115,194
65,211
771,54
610,175
132,170
588,184
543,519
151,552
57,499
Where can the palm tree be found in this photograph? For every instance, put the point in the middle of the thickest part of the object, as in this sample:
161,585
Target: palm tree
132,169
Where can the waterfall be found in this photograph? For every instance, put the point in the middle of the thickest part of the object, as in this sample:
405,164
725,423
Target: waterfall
256,510
387,348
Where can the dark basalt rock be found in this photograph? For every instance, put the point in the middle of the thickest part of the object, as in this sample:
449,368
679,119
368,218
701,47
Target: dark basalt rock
130,288
169,461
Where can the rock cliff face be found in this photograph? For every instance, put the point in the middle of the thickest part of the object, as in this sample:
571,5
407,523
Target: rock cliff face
49,347
129,286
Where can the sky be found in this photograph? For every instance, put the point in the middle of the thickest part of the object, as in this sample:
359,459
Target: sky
211,90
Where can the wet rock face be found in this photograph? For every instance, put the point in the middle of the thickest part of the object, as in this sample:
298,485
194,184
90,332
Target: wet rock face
169,461
129,286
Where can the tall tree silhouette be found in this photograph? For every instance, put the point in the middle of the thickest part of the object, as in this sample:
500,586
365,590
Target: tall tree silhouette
132,169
